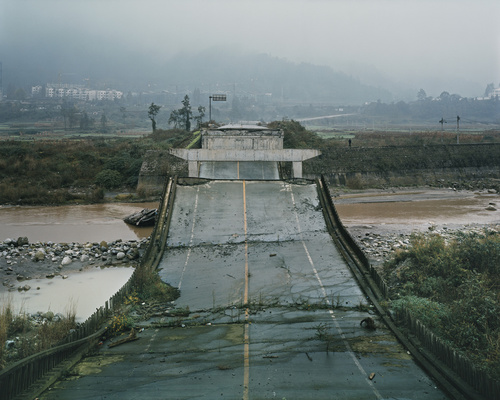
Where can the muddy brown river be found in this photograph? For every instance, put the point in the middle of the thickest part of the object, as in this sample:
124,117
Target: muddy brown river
79,223
406,211
97,222
402,211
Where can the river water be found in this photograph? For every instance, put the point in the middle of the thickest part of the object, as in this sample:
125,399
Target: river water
87,290
82,291
416,210
79,223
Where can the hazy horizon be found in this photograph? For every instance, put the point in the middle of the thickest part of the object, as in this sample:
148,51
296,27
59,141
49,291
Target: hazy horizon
441,45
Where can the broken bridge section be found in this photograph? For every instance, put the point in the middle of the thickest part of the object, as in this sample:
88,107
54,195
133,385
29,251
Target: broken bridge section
274,311
274,307
205,253
242,144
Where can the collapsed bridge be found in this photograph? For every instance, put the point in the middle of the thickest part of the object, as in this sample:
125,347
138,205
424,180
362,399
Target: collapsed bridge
242,144
273,291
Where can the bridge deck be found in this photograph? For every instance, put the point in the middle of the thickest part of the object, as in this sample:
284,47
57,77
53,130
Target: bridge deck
274,311
259,170
288,244
265,244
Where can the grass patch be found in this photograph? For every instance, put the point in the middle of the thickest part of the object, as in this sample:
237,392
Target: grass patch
148,285
453,287
22,336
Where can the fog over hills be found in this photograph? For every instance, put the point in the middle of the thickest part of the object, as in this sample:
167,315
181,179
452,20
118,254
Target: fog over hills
217,69
317,51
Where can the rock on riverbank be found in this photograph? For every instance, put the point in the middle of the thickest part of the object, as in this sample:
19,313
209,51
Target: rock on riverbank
379,244
21,261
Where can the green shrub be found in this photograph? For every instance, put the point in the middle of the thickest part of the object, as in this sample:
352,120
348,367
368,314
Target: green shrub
149,285
108,179
453,288
432,314
37,172
96,195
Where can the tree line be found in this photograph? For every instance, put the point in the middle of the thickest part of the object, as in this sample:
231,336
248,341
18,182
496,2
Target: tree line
180,118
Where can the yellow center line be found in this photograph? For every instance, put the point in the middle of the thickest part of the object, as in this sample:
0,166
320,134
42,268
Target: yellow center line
246,350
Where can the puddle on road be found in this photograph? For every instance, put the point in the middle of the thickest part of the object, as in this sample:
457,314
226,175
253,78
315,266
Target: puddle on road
82,292
386,344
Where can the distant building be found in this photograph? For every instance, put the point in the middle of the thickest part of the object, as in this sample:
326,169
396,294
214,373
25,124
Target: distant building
495,92
36,91
76,92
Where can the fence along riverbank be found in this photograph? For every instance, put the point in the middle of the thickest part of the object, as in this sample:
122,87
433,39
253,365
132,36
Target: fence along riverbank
454,372
29,377
435,360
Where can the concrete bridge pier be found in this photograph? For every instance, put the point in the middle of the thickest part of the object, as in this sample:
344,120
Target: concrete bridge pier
194,168
297,169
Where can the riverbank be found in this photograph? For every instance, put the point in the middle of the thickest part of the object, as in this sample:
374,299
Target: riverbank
382,221
379,220
22,262
73,223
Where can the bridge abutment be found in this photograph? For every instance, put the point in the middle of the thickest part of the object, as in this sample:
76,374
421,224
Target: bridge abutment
243,144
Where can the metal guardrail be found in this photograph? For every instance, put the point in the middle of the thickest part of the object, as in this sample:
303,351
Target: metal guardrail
35,373
446,370
16,379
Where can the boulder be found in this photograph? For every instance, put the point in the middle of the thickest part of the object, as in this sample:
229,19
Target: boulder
120,255
39,255
24,288
66,260
133,254
48,315
22,240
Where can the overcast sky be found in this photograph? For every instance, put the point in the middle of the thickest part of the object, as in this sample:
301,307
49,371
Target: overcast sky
415,41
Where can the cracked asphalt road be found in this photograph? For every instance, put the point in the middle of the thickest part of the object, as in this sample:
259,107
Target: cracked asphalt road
274,311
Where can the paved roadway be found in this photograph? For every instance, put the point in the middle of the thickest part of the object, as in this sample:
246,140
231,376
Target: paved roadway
239,170
275,311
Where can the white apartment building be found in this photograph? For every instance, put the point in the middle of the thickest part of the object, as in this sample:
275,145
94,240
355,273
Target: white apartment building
77,92
36,90
495,92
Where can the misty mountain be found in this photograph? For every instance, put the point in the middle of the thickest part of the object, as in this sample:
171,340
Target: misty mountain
214,70
262,73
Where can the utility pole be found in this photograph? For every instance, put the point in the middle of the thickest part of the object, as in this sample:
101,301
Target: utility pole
458,128
442,122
